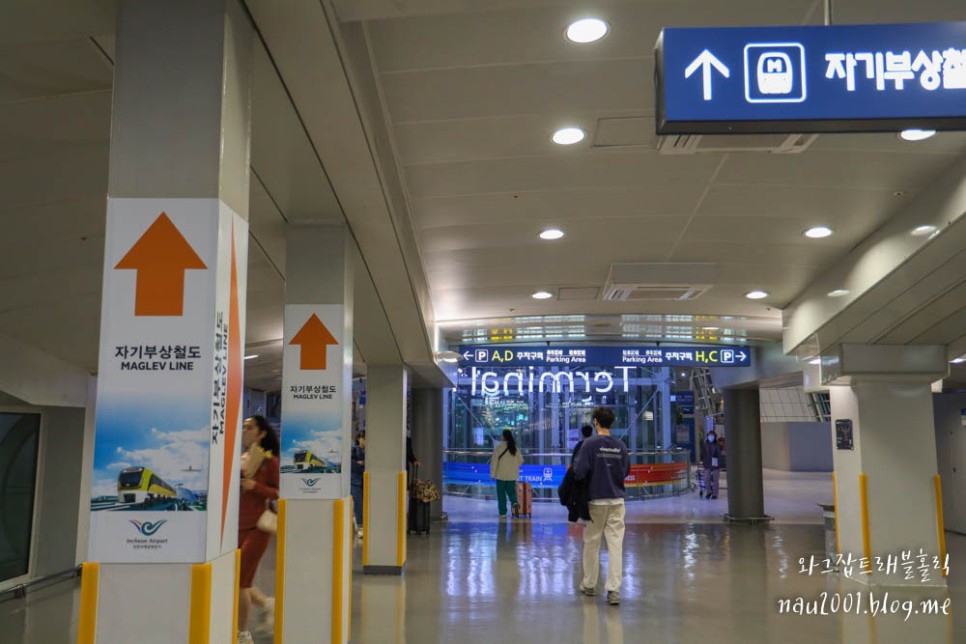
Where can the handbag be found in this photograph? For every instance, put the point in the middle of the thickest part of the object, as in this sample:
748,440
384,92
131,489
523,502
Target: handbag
268,520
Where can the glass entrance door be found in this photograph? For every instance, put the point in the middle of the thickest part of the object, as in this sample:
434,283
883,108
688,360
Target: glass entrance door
19,438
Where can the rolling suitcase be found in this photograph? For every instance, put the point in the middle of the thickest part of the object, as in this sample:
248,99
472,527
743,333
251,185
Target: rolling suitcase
524,499
418,518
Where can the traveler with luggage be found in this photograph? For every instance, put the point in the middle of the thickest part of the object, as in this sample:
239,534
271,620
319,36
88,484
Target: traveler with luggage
505,468
711,459
603,464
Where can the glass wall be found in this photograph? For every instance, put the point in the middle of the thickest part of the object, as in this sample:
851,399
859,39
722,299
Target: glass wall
545,408
19,439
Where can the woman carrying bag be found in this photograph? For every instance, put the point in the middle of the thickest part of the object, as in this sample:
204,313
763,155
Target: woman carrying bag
256,520
505,468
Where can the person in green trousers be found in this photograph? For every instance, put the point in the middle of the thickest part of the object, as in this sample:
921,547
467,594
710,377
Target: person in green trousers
505,468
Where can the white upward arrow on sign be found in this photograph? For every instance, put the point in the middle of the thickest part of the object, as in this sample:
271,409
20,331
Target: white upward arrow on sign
706,60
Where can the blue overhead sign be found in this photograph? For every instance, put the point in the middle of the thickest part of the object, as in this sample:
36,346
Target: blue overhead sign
497,355
811,79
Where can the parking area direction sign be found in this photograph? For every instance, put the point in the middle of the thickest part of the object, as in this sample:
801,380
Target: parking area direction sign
843,78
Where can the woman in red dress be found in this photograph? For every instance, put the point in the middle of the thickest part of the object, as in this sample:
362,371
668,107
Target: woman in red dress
259,486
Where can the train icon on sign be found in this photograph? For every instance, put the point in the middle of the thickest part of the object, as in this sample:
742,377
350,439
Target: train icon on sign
775,73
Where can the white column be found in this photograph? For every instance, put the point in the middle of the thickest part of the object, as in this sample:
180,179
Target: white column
313,570
164,508
886,481
384,522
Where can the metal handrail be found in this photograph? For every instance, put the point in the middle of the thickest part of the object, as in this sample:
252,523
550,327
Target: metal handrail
487,452
20,590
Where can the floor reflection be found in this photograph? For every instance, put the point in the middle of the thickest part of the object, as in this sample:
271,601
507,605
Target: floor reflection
516,581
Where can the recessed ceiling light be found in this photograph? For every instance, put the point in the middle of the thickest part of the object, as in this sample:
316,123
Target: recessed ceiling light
710,328
916,134
818,232
552,233
958,360
568,136
815,361
756,295
586,30
839,292
251,356
922,231
542,295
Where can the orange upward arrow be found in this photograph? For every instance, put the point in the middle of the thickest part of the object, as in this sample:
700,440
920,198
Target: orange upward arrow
314,339
160,256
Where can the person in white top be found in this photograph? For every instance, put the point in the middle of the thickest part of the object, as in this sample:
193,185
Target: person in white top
505,468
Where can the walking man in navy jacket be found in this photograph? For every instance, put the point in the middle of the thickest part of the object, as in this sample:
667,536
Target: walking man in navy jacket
603,463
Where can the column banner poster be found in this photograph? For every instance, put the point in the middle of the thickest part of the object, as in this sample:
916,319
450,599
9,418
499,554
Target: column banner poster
169,386
314,377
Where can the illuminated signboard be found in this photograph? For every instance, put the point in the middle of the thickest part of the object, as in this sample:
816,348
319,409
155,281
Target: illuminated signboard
486,356
811,79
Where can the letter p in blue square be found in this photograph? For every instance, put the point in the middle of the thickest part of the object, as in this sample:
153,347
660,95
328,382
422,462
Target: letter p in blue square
482,355
775,73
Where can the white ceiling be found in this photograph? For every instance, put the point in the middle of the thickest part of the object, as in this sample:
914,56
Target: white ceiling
473,97
457,100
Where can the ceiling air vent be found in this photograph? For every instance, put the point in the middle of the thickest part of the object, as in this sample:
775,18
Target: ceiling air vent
577,293
658,281
704,143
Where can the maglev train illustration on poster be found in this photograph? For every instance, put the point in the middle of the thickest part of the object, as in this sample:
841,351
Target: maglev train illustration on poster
305,459
141,485
308,462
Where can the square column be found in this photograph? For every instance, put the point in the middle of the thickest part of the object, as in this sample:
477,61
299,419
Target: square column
384,518
165,491
746,500
887,490
313,571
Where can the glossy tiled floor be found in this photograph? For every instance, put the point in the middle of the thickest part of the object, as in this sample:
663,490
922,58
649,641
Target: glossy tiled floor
688,577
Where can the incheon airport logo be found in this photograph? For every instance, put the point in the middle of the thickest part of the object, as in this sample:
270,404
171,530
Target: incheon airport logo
147,528
311,482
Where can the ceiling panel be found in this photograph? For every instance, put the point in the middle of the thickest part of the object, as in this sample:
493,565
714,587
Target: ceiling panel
45,127
55,177
66,327
944,143
605,170
750,251
885,11
868,205
50,286
835,169
785,230
43,69
552,206
482,303
282,158
267,226
84,216
665,12
498,137
619,250
483,92
582,236
29,21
